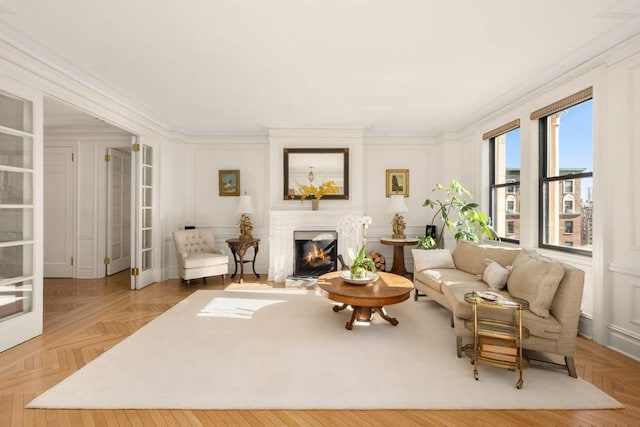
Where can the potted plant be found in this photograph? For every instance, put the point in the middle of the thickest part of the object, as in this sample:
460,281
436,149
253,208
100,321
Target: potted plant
459,215
361,263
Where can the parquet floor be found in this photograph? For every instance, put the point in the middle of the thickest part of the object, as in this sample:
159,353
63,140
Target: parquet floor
84,318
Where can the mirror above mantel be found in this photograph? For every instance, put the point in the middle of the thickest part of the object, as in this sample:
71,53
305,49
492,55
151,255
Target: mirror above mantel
313,166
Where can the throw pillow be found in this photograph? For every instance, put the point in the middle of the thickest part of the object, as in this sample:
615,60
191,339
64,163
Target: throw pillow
496,275
535,278
431,258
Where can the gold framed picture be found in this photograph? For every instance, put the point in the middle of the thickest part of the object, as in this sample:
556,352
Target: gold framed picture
398,182
229,182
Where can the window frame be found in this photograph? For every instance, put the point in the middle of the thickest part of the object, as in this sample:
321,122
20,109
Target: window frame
509,183
544,180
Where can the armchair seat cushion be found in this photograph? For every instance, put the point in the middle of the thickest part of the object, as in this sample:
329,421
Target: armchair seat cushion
203,259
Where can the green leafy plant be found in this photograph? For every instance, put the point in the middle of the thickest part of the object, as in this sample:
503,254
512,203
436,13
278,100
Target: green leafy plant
361,263
458,214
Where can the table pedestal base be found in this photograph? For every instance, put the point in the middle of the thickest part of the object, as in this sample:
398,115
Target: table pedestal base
364,314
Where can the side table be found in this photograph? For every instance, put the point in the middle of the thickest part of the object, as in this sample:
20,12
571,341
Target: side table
238,249
398,254
506,351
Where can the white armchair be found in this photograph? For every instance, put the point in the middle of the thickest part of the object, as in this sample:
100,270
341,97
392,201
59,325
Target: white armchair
198,256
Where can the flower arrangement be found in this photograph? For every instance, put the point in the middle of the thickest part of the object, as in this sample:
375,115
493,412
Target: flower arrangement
313,192
360,262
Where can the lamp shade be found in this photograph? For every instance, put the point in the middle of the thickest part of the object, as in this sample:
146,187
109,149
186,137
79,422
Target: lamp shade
245,204
397,204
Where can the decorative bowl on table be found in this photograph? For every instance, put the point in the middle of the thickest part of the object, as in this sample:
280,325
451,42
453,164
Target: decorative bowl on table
346,276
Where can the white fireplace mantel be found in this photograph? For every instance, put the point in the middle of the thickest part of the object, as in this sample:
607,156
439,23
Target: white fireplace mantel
282,224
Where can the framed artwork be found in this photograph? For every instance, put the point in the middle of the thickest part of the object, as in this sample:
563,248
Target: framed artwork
229,182
398,182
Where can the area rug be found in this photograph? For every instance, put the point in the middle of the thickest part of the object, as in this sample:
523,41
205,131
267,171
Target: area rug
287,349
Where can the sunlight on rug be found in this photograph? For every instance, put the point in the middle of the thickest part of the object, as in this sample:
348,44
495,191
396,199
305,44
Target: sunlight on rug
286,349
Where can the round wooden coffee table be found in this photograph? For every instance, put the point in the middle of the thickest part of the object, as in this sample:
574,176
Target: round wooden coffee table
368,299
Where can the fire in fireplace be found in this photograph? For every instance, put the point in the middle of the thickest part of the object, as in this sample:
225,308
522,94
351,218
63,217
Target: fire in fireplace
316,253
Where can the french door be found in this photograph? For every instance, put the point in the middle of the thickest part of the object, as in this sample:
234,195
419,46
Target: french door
142,168
118,211
20,214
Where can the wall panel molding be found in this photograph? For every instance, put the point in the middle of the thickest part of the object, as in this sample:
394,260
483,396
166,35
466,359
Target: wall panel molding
628,270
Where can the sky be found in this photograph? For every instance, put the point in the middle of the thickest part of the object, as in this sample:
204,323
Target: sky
576,139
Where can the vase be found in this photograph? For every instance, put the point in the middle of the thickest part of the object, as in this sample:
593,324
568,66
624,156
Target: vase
315,203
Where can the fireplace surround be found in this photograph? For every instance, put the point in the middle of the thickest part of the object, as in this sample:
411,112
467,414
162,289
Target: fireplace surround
283,224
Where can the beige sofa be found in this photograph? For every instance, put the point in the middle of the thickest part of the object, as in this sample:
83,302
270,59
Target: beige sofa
553,289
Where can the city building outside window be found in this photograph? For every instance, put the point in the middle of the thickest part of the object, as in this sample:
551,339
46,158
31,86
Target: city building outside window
504,167
566,172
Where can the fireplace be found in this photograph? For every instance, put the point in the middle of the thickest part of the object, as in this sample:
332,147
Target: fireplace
315,252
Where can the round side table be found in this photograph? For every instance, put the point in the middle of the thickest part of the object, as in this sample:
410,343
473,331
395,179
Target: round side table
398,266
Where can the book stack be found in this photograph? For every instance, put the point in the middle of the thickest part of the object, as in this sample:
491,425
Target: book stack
498,350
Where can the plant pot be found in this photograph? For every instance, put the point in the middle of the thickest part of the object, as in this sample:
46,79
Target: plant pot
315,204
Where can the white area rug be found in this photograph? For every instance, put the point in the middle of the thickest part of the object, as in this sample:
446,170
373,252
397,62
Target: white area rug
289,350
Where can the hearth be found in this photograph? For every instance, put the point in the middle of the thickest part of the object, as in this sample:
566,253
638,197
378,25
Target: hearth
315,252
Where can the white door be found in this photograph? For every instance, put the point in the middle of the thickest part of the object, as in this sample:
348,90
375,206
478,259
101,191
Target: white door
59,202
118,211
20,214
142,168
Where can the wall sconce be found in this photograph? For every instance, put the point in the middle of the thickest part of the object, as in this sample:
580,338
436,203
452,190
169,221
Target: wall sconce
398,206
245,206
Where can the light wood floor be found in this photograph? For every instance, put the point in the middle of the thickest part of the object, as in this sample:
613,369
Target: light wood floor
84,318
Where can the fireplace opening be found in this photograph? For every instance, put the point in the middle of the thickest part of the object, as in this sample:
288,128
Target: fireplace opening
316,253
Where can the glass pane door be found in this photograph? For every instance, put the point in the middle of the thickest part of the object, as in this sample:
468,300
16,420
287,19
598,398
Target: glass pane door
20,315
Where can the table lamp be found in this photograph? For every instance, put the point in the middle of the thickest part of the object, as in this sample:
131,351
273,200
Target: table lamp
245,206
398,206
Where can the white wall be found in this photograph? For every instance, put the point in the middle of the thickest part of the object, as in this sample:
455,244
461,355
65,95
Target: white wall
611,303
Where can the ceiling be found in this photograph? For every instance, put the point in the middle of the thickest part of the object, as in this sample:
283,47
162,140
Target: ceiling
205,67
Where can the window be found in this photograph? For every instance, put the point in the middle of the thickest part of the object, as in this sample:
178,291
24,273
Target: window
568,227
566,172
568,186
567,203
504,149
511,204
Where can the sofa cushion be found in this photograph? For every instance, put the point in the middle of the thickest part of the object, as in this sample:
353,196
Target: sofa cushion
436,277
470,257
431,258
535,278
455,294
205,260
495,275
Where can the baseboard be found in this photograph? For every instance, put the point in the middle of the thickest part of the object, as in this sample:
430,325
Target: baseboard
623,342
585,326
617,339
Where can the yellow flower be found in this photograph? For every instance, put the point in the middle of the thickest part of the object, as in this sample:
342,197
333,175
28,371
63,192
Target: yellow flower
311,191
